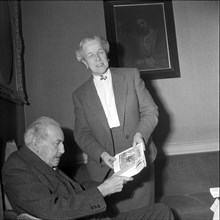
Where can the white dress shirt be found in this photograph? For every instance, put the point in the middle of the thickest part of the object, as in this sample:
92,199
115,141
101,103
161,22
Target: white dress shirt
106,94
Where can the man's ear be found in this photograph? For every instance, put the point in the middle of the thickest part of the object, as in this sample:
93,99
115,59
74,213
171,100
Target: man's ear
85,63
36,142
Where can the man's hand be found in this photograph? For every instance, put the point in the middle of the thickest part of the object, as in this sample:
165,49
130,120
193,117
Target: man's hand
138,139
108,159
113,184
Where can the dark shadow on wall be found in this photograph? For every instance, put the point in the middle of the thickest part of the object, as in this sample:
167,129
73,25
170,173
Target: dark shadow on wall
160,136
12,124
163,127
73,154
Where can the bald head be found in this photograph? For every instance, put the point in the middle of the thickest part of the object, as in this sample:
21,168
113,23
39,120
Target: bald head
38,128
45,138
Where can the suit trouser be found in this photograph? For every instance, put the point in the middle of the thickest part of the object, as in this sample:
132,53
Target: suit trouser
157,211
137,193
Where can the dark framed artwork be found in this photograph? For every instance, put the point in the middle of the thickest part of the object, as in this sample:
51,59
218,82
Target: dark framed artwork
11,56
142,35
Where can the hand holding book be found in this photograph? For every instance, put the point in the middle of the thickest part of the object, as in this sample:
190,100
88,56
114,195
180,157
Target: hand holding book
108,159
113,184
138,139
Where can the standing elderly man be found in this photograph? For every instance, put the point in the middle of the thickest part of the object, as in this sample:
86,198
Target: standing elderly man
35,185
114,111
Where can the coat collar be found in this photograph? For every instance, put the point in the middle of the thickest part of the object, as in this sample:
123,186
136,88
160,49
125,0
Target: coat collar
37,163
34,160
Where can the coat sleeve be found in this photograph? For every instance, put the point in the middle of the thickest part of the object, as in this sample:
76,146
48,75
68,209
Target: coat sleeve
37,195
148,110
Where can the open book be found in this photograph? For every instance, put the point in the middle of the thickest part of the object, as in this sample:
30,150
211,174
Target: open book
130,162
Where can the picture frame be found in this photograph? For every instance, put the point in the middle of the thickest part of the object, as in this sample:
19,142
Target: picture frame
142,35
12,83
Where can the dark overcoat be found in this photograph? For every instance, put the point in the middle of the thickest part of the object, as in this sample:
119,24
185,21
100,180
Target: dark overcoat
35,188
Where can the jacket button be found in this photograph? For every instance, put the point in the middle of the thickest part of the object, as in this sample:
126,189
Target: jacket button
127,136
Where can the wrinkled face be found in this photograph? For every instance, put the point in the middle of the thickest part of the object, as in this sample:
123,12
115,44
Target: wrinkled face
95,57
51,149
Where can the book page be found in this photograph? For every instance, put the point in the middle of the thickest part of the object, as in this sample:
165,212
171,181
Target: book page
131,161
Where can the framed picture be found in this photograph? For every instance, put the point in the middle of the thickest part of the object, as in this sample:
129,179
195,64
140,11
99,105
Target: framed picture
11,56
142,35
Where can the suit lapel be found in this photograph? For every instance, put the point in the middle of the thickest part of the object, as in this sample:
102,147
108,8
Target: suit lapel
64,178
120,92
95,104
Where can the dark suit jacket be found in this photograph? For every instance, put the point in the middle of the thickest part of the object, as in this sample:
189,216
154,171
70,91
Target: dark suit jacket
34,187
136,110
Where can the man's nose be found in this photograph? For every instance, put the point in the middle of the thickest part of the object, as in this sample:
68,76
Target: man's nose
61,148
98,57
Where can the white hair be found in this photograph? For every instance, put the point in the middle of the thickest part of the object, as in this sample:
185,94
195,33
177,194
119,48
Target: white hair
101,40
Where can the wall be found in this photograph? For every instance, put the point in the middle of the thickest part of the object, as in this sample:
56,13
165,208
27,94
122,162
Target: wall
188,105
192,100
52,30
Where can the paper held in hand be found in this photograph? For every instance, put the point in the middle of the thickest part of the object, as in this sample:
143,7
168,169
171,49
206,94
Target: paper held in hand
130,162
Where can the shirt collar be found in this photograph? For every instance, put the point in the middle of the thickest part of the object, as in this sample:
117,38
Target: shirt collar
97,77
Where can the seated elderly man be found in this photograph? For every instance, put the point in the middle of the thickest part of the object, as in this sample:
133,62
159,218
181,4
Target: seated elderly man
35,185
